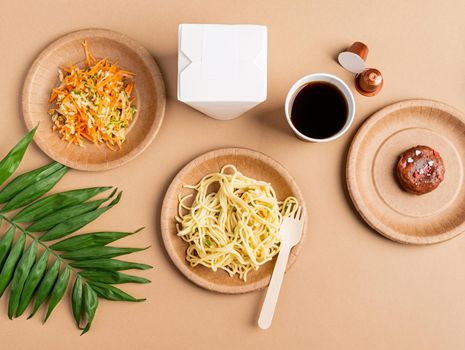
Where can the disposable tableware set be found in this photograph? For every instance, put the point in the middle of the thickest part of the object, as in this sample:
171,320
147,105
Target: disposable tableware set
233,220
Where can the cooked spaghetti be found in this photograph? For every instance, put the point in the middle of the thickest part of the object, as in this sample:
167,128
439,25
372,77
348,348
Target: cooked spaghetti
233,222
93,103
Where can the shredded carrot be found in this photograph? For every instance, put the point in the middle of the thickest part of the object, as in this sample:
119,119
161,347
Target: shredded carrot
93,103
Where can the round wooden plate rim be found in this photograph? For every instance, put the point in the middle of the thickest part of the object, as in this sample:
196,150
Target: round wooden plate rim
148,61
168,237
352,186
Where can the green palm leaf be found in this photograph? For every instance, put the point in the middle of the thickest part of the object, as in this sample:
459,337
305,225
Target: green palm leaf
90,299
110,292
46,286
33,280
5,244
112,277
109,265
10,264
76,300
62,215
11,161
77,222
50,204
39,273
99,253
24,180
87,240
34,191
20,276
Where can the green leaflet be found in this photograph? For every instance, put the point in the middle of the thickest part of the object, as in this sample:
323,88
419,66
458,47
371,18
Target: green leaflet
99,252
64,214
76,300
27,272
51,204
32,281
24,180
5,244
10,263
46,286
112,277
20,276
109,292
89,240
90,306
11,161
34,191
77,222
58,291
108,265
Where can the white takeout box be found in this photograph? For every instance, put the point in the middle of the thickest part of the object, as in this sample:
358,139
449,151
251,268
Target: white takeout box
222,69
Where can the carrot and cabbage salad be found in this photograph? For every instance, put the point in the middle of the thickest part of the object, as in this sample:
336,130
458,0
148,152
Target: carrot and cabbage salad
94,102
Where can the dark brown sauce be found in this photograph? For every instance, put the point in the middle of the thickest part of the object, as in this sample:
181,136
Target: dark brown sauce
320,110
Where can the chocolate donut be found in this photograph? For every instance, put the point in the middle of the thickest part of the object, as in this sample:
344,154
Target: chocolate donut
420,170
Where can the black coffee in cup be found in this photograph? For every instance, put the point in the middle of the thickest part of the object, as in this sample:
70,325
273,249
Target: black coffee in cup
320,110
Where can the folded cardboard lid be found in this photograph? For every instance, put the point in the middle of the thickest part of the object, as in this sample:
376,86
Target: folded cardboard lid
222,62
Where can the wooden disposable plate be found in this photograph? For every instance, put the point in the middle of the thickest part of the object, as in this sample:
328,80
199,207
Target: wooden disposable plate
403,217
149,92
250,163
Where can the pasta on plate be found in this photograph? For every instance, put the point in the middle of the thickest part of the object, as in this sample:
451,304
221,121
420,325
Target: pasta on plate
233,222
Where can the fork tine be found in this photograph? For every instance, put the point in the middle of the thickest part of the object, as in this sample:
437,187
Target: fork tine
290,209
296,208
298,213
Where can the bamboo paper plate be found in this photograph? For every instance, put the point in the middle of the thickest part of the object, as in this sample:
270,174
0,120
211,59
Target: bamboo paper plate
430,218
250,163
149,92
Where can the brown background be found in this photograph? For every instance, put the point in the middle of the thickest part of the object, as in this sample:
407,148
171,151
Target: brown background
350,287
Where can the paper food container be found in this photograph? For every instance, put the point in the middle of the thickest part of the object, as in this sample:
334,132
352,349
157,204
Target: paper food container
222,69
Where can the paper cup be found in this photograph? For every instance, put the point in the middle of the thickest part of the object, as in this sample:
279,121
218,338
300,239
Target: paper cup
300,84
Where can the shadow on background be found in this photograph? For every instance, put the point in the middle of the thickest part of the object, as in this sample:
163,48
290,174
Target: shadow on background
273,120
168,65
